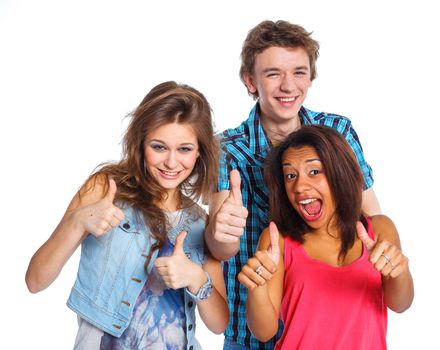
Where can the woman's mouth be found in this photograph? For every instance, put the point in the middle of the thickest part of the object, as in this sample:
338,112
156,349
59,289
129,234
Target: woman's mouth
310,208
170,175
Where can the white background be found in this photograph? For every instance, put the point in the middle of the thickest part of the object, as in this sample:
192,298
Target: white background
71,70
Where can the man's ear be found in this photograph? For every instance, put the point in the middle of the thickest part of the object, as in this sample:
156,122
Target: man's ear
249,81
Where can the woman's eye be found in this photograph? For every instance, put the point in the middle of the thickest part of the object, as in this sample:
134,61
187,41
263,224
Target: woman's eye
158,148
315,172
185,149
290,176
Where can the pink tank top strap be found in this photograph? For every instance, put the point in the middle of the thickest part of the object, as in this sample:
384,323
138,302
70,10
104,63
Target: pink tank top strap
370,227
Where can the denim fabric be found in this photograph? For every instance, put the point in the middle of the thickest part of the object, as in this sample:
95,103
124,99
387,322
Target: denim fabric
111,272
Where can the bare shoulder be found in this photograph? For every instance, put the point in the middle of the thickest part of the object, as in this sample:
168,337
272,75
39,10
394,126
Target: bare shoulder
90,192
384,229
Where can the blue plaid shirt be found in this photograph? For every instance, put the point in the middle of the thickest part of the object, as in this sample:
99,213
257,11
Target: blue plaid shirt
245,148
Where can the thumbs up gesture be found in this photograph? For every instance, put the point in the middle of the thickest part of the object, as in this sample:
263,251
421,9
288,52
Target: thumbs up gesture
386,257
261,267
177,271
230,219
99,217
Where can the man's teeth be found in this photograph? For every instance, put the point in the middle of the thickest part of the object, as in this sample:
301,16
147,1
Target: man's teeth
287,99
307,201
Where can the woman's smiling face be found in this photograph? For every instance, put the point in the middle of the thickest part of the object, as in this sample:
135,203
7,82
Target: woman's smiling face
171,152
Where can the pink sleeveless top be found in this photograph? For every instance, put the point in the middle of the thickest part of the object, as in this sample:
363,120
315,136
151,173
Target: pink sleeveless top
327,307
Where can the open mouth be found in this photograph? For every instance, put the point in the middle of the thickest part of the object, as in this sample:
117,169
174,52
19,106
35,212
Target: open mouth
311,208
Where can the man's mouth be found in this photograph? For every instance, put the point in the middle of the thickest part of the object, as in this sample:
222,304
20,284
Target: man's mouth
286,99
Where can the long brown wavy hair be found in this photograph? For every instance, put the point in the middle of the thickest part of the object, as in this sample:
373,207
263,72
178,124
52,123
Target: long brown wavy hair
166,103
343,174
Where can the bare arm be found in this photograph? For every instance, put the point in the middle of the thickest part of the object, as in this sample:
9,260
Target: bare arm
227,221
387,257
177,271
214,311
370,204
264,301
88,212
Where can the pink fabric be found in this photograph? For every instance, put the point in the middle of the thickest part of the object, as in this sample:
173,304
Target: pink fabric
327,307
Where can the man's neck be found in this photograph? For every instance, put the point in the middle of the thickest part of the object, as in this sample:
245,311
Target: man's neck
277,131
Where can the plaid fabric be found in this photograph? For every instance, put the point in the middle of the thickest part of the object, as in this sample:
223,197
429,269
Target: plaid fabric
245,148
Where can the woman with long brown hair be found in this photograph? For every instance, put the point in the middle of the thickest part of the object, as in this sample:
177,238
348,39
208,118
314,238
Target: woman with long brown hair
143,266
333,272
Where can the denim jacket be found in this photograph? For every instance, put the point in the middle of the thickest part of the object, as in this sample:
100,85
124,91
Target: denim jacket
111,271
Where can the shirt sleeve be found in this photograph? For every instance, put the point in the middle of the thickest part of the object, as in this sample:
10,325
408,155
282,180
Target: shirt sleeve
226,165
355,144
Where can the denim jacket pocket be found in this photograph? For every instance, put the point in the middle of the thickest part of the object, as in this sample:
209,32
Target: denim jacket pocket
127,226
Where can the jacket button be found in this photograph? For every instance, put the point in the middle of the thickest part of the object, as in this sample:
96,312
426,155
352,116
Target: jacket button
191,347
190,327
190,304
126,226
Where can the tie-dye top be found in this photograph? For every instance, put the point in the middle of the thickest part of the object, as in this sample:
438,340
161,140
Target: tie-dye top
158,317
158,320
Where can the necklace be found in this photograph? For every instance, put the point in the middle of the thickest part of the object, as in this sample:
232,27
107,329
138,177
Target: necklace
174,217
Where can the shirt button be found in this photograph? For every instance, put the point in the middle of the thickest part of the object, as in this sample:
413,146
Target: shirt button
191,347
126,226
190,327
190,304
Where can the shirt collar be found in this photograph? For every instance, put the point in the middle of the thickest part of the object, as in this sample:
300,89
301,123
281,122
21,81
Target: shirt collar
258,139
305,116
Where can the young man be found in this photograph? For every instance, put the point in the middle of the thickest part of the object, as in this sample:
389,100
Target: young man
278,67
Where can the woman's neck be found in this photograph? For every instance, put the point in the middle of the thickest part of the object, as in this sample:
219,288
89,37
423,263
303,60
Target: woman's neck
172,201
